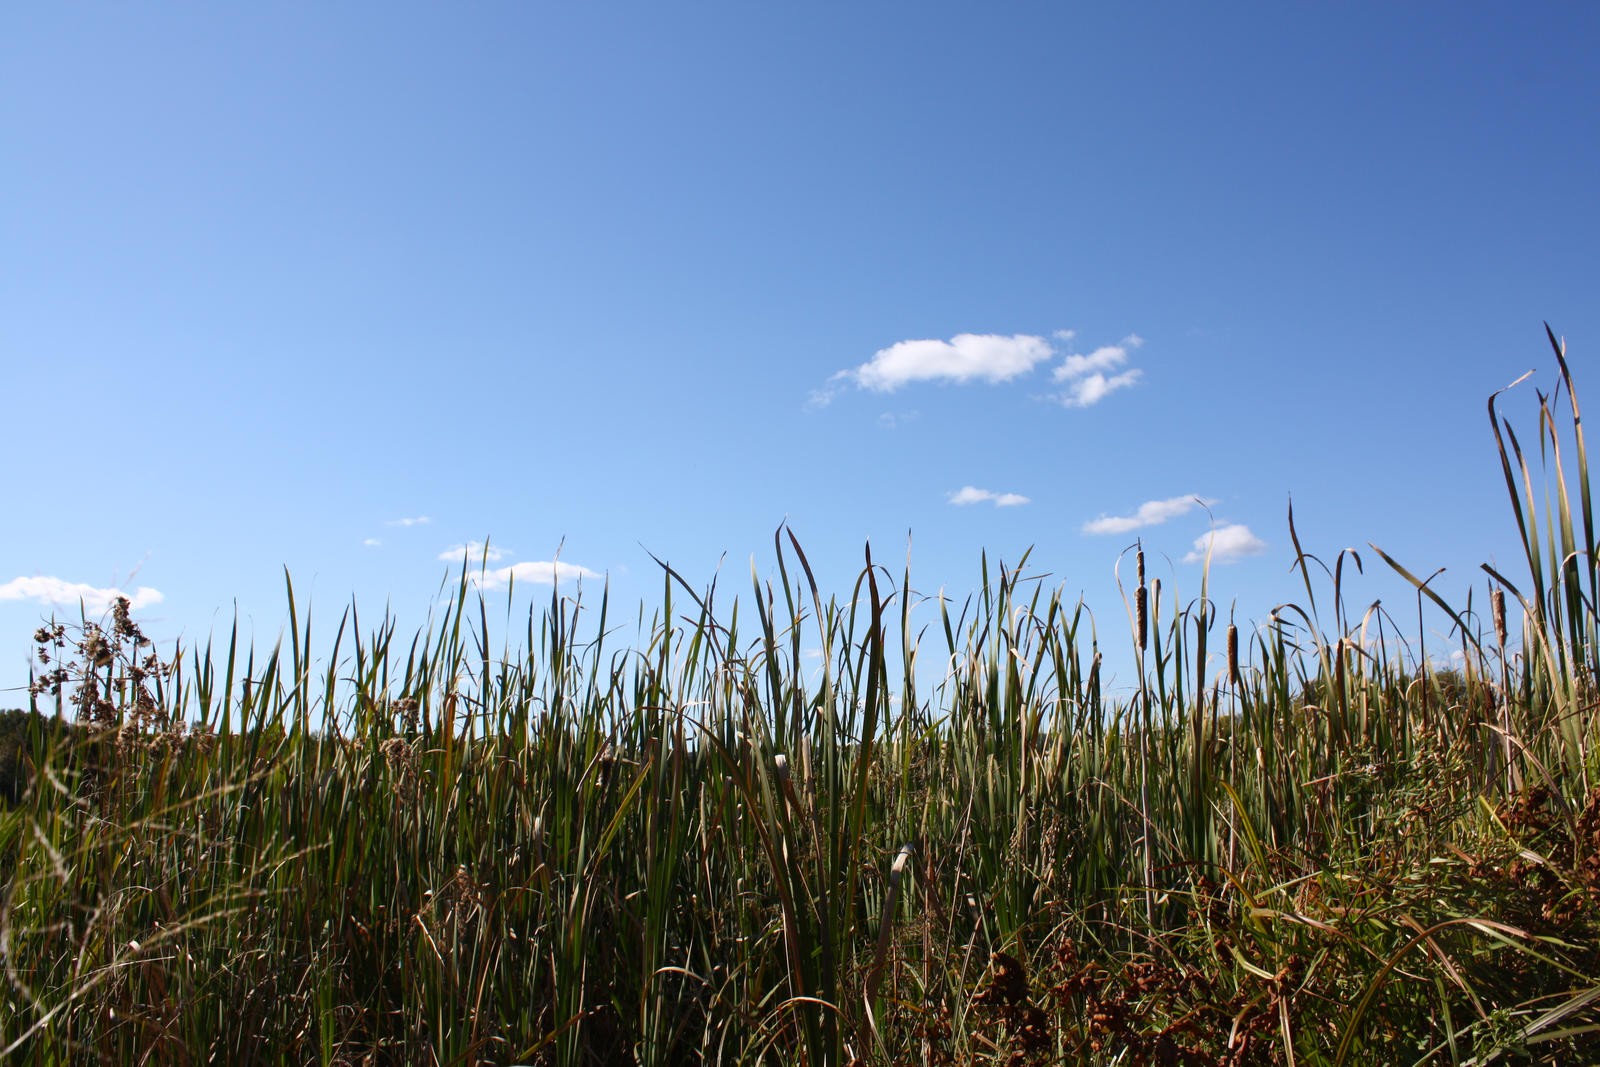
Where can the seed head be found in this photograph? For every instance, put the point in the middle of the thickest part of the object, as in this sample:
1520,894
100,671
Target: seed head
1233,655
95,648
1141,615
402,759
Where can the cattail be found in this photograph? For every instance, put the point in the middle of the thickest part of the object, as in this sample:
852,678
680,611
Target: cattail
1141,605
1141,616
1497,601
1338,672
1233,655
780,764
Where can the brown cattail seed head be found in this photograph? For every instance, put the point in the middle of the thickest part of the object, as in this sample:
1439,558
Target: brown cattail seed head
1233,655
1497,601
1141,615
1139,561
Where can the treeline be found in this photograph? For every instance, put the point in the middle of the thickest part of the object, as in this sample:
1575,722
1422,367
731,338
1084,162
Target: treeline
20,731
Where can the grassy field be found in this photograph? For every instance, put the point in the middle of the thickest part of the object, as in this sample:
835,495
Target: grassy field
1295,844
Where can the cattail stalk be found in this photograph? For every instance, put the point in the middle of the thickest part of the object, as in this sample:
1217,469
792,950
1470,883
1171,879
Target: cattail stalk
1497,604
1141,616
1233,656
1497,601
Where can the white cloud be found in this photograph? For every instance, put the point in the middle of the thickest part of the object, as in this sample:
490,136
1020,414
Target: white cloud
891,420
372,542
964,358
473,552
58,591
1086,377
1230,542
1101,359
971,495
1150,513
1096,387
992,358
542,572
420,520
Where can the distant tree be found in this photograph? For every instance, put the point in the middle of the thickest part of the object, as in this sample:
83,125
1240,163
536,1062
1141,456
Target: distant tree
15,725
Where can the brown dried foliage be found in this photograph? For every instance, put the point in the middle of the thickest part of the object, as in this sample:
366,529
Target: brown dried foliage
1137,1010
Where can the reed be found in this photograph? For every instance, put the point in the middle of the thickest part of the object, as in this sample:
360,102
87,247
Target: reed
947,845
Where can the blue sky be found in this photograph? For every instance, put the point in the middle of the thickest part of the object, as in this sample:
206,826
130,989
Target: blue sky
338,287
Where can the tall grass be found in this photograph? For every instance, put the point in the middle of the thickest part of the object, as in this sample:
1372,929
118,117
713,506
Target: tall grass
927,844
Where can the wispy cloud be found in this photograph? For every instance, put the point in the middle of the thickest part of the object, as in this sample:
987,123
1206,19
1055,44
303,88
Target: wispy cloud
420,520
821,398
1229,543
892,420
57,591
1088,379
1150,513
474,552
972,495
372,542
541,572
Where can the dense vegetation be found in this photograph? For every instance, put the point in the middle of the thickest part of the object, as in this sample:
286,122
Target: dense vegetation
1301,843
